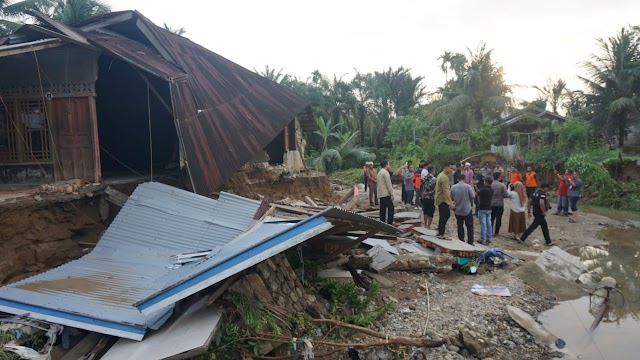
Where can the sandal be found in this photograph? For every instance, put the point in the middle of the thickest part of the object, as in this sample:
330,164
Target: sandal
572,221
551,244
443,237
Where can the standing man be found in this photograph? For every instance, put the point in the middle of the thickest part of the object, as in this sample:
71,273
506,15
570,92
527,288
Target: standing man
478,183
407,178
372,180
500,193
385,192
399,172
456,175
499,168
514,175
563,193
428,193
531,181
468,172
573,194
484,210
463,195
486,173
540,205
443,199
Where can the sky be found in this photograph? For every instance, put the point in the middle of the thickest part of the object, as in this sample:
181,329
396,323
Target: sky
532,40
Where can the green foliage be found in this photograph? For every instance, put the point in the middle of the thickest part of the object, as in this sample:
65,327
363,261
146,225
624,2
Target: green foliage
350,304
575,136
482,138
6,337
604,190
345,153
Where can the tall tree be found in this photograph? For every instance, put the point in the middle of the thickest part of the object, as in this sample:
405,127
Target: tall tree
477,94
272,74
554,93
613,82
65,11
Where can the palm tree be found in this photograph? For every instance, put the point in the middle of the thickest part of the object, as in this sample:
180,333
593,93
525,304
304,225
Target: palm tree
554,93
325,131
613,81
345,150
72,11
178,31
272,74
477,94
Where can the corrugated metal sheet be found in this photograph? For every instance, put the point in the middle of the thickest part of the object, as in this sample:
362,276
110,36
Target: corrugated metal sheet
225,113
97,291
128,284
135,53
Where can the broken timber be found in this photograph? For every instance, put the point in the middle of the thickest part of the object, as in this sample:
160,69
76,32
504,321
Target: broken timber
115,197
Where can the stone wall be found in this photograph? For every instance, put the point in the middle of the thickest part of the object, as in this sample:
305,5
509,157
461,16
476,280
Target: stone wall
274,281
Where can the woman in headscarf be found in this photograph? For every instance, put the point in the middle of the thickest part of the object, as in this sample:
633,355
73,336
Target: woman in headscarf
517,220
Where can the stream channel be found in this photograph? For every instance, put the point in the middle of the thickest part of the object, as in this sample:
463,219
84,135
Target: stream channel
618,334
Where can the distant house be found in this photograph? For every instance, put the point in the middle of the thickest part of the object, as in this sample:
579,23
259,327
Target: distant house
117,94
525,127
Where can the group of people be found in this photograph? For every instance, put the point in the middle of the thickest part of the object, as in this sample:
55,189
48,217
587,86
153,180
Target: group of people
483,188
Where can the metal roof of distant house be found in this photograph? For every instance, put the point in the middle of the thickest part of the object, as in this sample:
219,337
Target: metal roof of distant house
224,113
527,113
133,278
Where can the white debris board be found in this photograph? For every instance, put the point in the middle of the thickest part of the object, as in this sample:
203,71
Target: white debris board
187,336
384,243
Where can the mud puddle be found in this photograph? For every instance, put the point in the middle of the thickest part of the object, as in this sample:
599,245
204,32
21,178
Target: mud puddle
616,337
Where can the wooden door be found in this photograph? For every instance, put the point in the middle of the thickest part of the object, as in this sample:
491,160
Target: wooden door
75,138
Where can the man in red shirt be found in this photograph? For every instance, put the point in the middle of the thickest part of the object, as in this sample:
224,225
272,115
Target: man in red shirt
563,192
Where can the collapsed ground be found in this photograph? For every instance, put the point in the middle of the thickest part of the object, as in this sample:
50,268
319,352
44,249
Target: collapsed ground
39,235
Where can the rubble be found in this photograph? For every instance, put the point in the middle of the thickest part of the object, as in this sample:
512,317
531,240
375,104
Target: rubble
558,263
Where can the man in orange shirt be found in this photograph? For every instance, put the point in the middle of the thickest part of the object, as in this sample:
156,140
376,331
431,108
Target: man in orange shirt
514,175
532,181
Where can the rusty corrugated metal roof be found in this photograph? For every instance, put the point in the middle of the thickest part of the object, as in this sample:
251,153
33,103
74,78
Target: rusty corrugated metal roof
224,113
135,53
229,113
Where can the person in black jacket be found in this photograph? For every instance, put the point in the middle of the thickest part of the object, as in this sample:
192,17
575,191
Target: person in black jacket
540,205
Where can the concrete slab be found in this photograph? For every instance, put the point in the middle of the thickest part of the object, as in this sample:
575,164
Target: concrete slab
406,215
412,222
559,263
381,259
454,247
384,243
416,249
419,230
187,336
335,273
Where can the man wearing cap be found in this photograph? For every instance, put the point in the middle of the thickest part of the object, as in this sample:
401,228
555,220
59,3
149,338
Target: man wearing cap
468,172
372,181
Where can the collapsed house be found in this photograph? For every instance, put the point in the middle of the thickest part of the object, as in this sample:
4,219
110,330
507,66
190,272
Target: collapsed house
165,245
116,94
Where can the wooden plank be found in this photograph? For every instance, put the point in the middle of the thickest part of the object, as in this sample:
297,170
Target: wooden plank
10,50
295,210
406,215
220,290
413,221
65,29
83,347
188,335
114,196
152,39
93,115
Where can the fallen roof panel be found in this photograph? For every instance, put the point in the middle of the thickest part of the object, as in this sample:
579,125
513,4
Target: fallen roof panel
132,279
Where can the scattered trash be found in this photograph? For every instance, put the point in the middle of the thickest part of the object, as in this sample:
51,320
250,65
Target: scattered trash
495,257
490,290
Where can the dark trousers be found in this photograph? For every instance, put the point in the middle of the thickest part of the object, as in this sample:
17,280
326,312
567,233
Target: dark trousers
530,191
386,210
408,197
445,214
403,197
496,218
538,220
467,221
